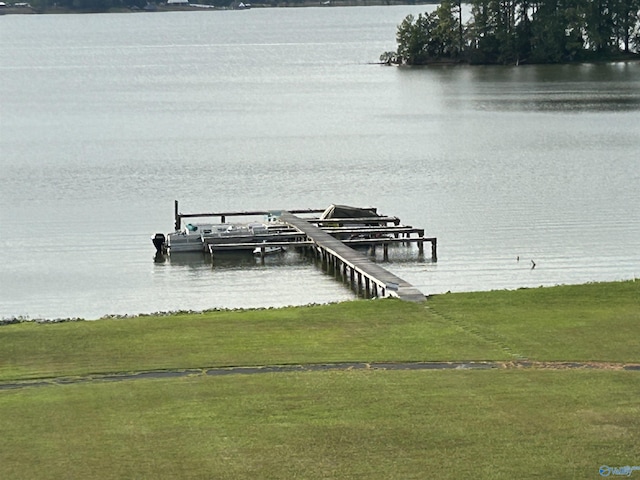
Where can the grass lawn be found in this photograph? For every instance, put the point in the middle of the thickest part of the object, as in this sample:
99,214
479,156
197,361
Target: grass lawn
380,330
496,424
373,424
592,322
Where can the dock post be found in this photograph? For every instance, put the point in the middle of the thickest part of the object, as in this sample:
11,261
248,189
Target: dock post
385,249
421,248
434,253
176,215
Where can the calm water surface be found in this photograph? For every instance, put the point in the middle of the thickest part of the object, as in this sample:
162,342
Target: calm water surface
106,119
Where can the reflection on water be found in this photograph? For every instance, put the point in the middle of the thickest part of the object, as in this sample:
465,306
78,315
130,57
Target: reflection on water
246,260
566,103
234,260
576,88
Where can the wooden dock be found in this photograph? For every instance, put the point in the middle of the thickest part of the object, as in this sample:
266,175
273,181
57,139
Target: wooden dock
367,276
329,240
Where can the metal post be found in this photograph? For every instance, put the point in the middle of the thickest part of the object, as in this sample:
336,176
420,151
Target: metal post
176,215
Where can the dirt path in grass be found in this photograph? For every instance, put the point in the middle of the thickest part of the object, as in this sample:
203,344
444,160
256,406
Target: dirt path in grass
117,377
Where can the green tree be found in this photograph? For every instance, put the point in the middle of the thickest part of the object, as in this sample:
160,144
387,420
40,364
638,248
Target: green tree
445,42
598,25
548,33
412,38
428,38
493,31
521,31
626,16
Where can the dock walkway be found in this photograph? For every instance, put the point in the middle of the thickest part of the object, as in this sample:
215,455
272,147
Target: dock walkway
369,276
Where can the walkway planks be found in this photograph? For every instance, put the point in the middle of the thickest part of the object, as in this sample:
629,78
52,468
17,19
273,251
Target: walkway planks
372,275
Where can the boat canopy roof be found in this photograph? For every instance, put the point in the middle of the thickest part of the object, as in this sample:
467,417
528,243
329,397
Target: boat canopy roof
345,211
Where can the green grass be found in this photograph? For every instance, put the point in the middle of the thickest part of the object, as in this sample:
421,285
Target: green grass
382,330
373,424
498,424
592,322
595,322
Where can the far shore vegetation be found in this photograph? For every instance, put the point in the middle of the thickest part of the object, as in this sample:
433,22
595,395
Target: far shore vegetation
121,6
515,32
561,400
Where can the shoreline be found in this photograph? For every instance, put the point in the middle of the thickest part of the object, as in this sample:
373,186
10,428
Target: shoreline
20,319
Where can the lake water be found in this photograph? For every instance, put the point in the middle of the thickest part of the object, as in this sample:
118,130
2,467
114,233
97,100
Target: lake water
106,119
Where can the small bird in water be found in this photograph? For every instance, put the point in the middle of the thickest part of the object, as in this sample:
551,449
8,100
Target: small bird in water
533,264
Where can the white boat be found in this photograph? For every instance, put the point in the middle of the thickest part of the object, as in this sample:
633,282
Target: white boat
195,237
199,237
267,250
191,237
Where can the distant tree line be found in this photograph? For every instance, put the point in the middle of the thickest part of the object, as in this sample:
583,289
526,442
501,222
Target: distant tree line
519,31
120,5
109,5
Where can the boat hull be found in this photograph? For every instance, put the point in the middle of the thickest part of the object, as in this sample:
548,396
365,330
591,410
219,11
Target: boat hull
197,237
